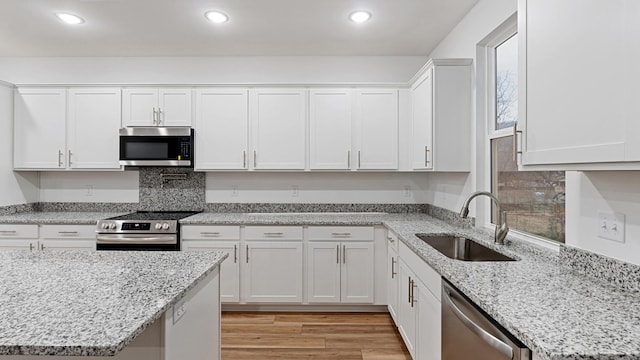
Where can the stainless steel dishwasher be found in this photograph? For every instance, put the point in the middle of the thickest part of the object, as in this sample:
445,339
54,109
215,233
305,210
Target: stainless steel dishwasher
469,333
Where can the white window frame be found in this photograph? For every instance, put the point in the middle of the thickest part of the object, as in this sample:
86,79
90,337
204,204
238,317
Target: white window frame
485,114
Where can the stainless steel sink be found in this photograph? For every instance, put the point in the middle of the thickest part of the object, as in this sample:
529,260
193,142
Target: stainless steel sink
464,249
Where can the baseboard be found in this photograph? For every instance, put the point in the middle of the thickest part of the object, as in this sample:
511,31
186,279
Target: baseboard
304,308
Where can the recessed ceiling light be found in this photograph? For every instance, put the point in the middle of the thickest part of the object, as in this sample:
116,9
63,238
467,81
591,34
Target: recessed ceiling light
360,16
216,17
70,18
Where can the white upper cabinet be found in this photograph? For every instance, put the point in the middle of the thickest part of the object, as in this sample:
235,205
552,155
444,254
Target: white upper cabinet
278,121
221,129
39,128
92,131
376,129
156,107
66,129
441,116
572,116
330,129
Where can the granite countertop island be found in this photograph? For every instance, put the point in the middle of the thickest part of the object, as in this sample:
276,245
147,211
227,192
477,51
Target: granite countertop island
90,303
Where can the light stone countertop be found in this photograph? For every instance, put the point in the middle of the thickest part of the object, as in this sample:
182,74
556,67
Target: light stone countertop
90,303
61,217
209,218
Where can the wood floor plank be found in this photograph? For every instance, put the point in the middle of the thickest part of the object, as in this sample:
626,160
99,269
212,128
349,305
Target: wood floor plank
375,341
348,329
260,329
385,354
290,354
335,318
247,318
272,342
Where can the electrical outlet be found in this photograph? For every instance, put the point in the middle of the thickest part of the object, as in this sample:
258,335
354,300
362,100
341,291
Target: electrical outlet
89,189
179,310
295,190
611,226
234,191
406,191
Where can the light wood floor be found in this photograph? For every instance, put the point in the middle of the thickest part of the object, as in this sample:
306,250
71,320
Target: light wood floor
326,336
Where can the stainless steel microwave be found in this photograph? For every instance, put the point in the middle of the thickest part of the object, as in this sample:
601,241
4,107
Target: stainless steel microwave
156,146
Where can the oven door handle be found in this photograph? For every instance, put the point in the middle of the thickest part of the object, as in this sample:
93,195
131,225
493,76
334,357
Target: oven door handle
137,239
475,328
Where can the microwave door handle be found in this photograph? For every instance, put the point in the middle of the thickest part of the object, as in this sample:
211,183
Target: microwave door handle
476,329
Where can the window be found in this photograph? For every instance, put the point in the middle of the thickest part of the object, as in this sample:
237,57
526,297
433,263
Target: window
533,200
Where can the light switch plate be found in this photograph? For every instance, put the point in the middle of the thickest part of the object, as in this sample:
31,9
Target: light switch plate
611,226
178,310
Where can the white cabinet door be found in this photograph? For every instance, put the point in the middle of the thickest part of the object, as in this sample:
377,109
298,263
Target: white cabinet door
330,129
39,128
174,106
229,270
140,107
272,272
392,282
221,129
429,329
569,112
278,118
93,121
323,272
422,121
75,244
376,128
18,244
407,311
357,275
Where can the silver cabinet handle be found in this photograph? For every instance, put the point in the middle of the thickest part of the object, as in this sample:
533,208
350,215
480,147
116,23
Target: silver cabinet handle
247,254
68,233
41,246
244,159
273,234
337,234
59,158
391,240
255,159
69,162
348,159
235,254
210,233
344,254
8,232
154,115
338,254
515,142
413,292
30,246
409,288
393,268
426,156
359,162
476,329
159,116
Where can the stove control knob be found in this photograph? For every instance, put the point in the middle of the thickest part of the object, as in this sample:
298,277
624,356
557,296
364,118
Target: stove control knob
112,226
105,226
158,226
165,226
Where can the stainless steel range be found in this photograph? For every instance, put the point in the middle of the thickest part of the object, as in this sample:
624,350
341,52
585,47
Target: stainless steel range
145,231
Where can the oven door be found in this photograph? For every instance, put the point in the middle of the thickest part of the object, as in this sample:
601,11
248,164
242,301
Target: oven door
138,242
156,146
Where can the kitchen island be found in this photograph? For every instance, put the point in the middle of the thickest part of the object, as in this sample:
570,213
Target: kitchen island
116,305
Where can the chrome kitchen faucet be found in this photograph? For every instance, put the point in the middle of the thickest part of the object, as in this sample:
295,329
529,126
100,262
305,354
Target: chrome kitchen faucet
501,225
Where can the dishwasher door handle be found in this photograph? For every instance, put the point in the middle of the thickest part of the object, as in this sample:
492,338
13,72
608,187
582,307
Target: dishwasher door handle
476,329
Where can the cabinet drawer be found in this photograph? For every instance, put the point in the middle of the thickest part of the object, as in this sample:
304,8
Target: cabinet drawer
68,231
423,271
333,233
273,233
19,231
210,232
392,240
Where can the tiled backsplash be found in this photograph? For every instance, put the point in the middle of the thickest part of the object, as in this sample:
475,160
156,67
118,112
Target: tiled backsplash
171,189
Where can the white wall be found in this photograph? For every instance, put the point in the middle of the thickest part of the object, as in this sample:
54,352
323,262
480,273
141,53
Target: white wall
210,70
105,186
16,188
338,188
450,190
591,192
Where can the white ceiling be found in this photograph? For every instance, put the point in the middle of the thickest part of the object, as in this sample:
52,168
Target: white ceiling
256,27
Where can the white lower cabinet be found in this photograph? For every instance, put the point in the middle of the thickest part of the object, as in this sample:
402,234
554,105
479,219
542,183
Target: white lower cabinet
392,276
272,272
47,237
418,317
222,238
